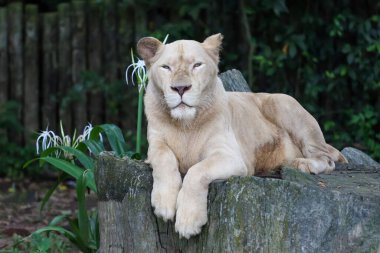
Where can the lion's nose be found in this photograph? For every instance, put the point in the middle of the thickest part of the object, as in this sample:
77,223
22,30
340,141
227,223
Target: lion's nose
181,89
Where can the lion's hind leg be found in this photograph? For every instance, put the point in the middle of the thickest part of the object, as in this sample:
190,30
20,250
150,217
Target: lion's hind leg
336,155
317,156
312,165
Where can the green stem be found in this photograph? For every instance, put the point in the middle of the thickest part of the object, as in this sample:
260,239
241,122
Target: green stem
139,121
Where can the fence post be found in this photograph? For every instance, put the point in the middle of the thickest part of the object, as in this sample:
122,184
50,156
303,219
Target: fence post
109,51
50,70
3,56
65,65
31,72
96,98
15,60
79,60
125,43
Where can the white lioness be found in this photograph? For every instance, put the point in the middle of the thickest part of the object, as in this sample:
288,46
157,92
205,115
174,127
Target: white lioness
197,128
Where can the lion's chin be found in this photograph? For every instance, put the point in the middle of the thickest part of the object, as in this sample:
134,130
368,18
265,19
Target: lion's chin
183,113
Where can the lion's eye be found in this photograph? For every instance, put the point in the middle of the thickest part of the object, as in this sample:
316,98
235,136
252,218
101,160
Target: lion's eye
165,67
198,64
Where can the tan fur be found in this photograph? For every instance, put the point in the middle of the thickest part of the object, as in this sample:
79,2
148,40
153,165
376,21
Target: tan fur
216,134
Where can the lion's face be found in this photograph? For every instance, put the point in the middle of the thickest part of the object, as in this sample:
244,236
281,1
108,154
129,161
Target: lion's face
183,73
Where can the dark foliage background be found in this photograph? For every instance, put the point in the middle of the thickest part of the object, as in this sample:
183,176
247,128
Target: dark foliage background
324,53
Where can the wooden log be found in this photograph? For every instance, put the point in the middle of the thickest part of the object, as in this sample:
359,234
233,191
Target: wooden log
65,80
3,56
95,37
233,80
338,212
15,56
31,72
79,61
109,30
50,70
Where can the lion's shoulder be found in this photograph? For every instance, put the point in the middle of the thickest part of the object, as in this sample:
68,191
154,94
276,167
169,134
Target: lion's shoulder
246,99
259,99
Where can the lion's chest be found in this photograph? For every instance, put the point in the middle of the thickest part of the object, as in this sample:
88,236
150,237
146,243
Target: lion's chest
187,146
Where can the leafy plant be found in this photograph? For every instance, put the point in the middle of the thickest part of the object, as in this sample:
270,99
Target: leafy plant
74,158
115,97
38,243
11,153
140,73
83,230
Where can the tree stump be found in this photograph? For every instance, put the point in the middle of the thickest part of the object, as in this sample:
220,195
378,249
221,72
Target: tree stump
233,80
295,212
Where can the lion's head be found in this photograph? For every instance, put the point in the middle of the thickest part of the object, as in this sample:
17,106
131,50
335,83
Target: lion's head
182,73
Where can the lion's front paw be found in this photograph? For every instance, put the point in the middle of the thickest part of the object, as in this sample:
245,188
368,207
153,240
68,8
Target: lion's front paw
164,202
191,214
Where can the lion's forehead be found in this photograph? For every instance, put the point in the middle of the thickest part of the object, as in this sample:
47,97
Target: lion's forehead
183,52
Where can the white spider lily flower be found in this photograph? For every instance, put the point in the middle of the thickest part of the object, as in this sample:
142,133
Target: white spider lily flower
48,139
139,70
66,141
87,132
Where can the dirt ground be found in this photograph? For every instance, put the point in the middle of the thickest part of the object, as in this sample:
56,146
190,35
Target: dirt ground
20,207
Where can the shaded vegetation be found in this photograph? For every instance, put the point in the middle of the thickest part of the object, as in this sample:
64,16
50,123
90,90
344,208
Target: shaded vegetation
11,154
325,54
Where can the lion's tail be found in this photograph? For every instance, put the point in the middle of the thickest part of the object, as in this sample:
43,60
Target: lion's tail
336,155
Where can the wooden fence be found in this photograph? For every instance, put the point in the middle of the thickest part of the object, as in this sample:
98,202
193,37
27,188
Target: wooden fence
42,55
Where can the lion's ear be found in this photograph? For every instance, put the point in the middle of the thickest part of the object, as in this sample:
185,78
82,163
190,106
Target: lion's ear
147,48
213,44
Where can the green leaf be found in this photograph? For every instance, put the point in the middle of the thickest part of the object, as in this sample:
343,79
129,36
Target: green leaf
96,230
114,135
48,151
86,161
78,240
116,139
82,147
82,211
29,162
65,232
58,219
96,147
48,194
90,181
70,169
343,71
64,166
135,156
